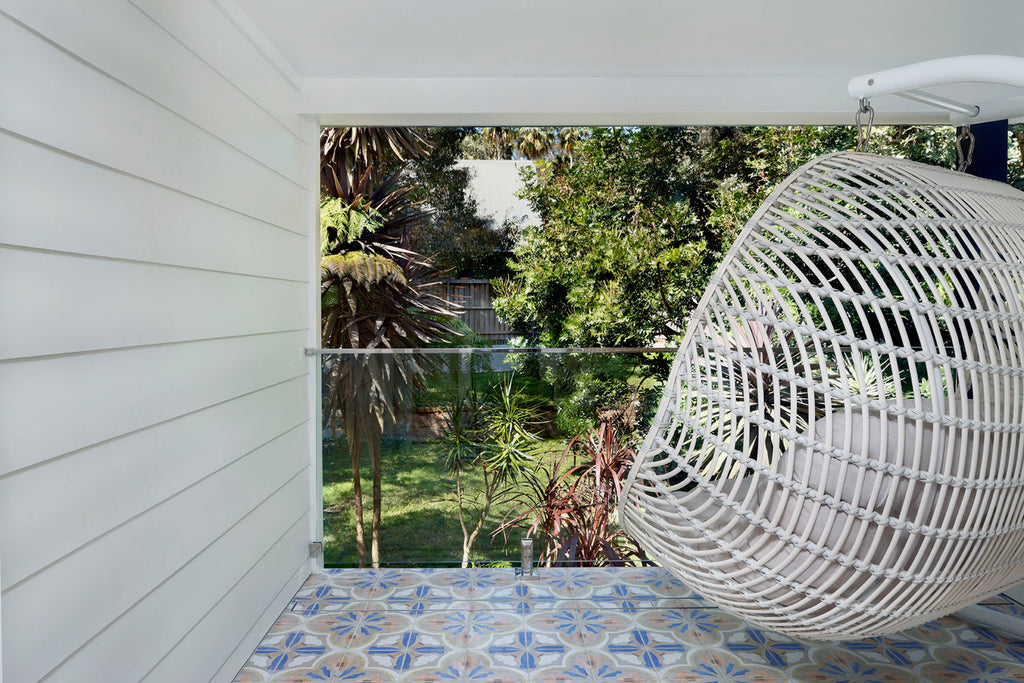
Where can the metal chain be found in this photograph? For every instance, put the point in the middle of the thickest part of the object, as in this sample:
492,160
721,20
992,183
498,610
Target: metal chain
864,132
964,160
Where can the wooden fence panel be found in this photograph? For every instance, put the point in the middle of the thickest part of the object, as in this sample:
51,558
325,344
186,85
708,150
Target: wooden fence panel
474,298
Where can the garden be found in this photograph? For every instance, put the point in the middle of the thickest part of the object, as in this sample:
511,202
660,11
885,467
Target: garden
435,458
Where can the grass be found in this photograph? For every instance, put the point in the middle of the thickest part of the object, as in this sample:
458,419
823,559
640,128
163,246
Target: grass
419,517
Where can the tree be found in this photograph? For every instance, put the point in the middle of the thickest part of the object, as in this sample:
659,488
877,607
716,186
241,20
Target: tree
489,428
526,142
373,294
621,256
637,219
460,242
533,142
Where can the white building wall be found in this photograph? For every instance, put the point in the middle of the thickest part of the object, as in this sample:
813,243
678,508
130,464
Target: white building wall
155,455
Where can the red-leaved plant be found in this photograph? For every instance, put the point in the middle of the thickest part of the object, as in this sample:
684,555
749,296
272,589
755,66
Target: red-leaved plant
570,505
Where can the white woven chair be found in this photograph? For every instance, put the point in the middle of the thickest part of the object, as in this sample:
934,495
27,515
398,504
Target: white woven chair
838,452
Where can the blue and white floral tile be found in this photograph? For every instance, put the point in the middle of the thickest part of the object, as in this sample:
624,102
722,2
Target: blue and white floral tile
633,624
706,665
575,583
407,651
358,627
466,666
468,584
693,626
470,629
527,651
526,597
651,651
591,666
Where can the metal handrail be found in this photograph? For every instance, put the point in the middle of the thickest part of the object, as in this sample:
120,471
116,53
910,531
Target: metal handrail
469,350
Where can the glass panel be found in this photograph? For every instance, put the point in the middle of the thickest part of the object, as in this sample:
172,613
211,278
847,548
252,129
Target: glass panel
473,452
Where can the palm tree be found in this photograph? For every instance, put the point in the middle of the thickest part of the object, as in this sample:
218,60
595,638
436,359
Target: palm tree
569,138
374,295
501,139
534,143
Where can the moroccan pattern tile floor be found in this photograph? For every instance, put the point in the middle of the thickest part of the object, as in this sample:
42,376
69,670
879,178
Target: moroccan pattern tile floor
628,624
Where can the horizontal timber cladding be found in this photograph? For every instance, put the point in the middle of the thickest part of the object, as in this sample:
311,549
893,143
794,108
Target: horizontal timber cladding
155,259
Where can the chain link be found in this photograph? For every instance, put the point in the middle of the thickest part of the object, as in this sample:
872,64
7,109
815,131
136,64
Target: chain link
964,159
864,132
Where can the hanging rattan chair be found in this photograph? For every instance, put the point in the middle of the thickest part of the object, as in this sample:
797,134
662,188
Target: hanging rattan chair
838,452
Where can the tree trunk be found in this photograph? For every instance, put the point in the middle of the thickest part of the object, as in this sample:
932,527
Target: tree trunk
467,545
375,458
355,450
462,517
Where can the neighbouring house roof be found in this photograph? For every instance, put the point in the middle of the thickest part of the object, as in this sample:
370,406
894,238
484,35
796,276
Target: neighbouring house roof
494,184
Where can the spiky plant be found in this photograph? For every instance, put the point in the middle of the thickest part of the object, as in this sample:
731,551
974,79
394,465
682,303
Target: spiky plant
571,504
374,296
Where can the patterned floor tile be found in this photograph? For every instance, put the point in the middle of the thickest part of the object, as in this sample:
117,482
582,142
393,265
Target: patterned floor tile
526,651
587,666
474,583
335,667
960,664
321,598
830,664
357,628
575,582
889,650
579,628
282,651
624,625
464,666
377,584
471,629
695,626
418,600
406,652
645,649
526,597
717,666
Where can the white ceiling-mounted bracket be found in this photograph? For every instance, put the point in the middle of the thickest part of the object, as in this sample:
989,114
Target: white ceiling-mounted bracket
908,81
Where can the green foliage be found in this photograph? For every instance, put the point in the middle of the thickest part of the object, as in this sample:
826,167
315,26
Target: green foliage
489,427
634,226
372,295
459,241
342,223
621,256
571,503
421,519
529,142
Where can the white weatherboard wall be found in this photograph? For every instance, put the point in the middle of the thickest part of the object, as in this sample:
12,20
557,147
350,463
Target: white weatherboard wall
155,455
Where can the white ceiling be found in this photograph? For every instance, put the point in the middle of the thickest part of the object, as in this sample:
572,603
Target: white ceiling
598,61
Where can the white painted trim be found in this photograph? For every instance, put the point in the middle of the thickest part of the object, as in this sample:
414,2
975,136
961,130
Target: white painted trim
316,483
241,21
676,100
1,627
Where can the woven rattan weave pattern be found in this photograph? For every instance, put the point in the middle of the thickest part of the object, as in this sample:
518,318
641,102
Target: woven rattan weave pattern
838,452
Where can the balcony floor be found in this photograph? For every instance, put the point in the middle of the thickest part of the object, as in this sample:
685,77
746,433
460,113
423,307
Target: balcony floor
631,624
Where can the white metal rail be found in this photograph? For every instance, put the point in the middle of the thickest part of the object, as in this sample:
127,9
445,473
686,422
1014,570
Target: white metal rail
908,81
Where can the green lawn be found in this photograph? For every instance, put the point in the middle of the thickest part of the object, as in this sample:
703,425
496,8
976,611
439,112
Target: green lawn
420,522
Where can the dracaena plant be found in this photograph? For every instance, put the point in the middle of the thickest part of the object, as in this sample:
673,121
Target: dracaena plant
490,429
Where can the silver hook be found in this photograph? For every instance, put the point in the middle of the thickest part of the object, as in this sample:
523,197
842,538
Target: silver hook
864,132
963,160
